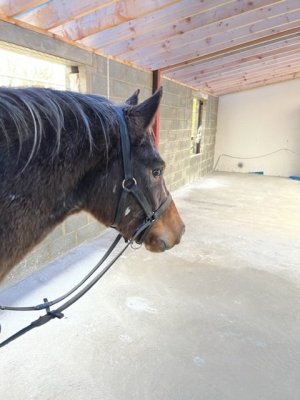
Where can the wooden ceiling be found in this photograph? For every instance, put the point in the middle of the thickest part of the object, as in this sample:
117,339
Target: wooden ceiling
215,46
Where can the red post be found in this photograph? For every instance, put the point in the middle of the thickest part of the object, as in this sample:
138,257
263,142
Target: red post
155,86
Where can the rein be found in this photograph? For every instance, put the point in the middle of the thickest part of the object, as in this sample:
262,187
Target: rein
129,186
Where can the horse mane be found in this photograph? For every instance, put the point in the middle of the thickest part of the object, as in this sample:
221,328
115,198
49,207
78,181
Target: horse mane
29,113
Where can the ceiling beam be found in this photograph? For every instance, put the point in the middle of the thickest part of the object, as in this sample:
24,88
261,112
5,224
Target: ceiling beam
143,24
56,12
247,65
256,84
204,23
180,51
238,80
113,15
9,8
254,53
228,50
245,73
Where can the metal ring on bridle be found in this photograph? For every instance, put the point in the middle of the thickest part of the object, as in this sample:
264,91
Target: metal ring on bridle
128,184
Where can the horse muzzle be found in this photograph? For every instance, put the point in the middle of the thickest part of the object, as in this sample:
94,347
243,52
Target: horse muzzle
166,231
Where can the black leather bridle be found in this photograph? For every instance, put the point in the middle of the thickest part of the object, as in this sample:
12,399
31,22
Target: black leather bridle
129,186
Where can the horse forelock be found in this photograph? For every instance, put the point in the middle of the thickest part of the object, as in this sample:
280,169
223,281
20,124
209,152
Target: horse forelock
29,113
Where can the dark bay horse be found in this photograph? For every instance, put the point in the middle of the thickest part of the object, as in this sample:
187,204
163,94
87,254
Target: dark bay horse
60,154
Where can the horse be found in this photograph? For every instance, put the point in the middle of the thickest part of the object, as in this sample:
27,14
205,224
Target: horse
60,153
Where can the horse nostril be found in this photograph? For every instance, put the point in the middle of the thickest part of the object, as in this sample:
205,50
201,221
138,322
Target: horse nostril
163,245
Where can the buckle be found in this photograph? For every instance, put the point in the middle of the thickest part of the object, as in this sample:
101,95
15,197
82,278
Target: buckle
128,184
151,219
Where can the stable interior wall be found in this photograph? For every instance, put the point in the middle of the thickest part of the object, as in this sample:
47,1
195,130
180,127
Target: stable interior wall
261,129
175,134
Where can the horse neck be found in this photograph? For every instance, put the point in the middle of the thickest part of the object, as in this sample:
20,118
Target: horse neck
35,200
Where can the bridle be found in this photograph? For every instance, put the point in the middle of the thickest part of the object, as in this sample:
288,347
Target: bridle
129,186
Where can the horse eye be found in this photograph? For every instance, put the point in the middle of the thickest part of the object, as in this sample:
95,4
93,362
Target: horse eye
156,172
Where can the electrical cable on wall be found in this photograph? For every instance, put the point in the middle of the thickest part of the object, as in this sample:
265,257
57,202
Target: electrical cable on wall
254,157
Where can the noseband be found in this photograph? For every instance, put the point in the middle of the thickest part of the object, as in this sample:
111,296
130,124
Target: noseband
130,186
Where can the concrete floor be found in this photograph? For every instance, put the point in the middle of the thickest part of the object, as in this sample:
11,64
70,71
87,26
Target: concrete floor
218,317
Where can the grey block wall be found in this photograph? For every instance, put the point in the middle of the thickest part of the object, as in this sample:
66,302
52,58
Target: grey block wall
175,135
117,81
203,163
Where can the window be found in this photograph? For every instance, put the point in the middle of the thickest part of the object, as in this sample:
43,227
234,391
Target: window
197,125
20,69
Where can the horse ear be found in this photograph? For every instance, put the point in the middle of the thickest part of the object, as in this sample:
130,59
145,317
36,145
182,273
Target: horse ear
144,113
134,99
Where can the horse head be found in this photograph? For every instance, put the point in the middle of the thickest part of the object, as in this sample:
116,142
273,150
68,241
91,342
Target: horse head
148,176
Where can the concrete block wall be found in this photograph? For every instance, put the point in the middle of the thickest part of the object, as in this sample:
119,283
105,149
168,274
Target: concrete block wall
117,81
175,135
203,163
175,132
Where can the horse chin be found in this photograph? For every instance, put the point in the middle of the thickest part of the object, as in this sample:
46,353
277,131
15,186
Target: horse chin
157,246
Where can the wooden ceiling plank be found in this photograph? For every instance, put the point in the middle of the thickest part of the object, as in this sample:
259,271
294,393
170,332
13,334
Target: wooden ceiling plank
56,12
261,69
178,50
224,85
254,53
214,24
256,46
203,24
138,26
255,85
10,8
259,77
254,78
247,63
227,80
111,16
244,65
194,51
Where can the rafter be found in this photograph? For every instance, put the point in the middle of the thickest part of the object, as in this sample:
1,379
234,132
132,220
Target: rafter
241,64
254,53
179,10
179,50
10,8
230,48
249,72
56,12
113,15
203,24
237,87
223,84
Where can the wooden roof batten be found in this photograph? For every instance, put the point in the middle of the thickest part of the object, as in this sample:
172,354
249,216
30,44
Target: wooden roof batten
216,46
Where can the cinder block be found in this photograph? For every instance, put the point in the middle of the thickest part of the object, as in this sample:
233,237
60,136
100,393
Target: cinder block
98,84
100,64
